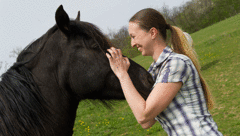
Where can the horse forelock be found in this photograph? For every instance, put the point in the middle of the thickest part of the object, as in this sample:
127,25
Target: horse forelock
23,110
90,30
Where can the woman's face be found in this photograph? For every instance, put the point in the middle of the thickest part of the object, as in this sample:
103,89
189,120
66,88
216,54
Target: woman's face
141,39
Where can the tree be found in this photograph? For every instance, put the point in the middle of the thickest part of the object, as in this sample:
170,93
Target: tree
15,52
6,66
122,40
118,38
128,50
169,14
1,65
175,12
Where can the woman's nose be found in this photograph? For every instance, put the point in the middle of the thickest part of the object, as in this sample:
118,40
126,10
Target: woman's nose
133,43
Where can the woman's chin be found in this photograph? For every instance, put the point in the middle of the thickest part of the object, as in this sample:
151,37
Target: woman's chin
143,53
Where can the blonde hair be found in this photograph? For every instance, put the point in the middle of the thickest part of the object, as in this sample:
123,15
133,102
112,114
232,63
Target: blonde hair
181,45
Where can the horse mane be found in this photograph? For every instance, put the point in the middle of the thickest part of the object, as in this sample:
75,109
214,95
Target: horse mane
23,110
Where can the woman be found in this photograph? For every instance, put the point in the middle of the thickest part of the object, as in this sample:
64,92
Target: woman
180,98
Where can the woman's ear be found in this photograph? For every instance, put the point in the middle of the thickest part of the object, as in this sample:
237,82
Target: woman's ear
154,32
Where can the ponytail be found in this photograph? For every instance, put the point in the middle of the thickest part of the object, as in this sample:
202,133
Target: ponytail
181,45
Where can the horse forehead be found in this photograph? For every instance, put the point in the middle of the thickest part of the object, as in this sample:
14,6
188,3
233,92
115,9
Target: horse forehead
81,25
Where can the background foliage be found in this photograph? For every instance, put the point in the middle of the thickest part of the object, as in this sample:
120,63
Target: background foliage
190,17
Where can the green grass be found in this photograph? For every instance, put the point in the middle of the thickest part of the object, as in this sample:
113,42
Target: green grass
218,47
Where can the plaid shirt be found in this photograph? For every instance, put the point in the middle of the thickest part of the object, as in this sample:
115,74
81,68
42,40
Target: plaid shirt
187,114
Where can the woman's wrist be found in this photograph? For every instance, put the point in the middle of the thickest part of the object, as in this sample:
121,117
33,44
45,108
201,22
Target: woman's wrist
123,76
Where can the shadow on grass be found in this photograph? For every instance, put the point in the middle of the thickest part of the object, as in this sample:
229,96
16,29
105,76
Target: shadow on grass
208,65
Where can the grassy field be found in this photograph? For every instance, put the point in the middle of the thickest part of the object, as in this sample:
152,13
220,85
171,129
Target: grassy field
218,47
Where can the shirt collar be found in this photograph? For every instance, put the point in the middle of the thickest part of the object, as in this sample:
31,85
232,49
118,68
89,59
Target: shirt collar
166,52
153,69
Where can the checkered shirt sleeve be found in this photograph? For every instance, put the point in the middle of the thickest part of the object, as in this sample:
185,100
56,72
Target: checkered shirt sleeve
175,70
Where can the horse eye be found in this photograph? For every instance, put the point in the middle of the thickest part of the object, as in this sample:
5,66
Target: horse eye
95,46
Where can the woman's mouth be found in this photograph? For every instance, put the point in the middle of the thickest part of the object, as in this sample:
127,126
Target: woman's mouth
138,48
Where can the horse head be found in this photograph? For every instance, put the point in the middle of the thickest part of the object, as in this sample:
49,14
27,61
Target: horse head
76,54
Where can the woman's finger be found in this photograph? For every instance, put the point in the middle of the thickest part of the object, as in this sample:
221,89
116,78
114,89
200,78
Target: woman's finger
112,53
120,54
115,52
109,57
127,60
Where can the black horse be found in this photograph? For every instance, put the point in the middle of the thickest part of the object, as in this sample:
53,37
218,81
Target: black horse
39,94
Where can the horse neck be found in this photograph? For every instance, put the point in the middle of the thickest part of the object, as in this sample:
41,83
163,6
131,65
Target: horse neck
64,113
34,109
53,86
61,101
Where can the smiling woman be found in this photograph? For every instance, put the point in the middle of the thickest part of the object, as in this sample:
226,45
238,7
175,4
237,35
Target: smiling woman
180,99
139,39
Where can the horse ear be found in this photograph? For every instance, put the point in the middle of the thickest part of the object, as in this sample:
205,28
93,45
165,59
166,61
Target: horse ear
62,20
78,16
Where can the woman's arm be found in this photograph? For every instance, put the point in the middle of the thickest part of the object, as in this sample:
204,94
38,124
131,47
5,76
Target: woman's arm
148,124
160,97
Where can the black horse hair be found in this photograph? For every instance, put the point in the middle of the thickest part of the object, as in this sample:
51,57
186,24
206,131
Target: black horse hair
22,107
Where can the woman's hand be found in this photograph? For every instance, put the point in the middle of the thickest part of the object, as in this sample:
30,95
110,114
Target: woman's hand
118,63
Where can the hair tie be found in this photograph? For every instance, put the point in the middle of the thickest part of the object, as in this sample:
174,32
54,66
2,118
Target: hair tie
168,26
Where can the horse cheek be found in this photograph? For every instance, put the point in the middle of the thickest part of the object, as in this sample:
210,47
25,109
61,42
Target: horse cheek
85,80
